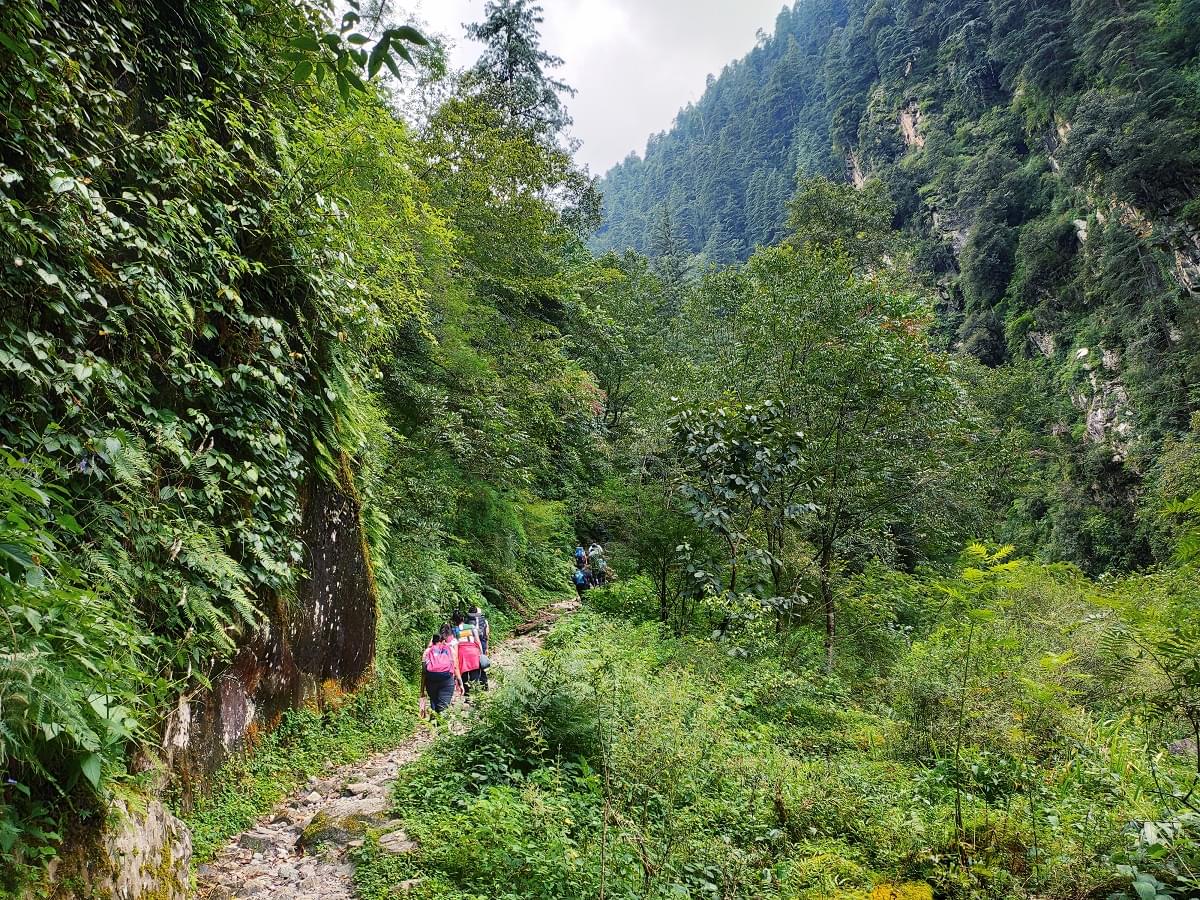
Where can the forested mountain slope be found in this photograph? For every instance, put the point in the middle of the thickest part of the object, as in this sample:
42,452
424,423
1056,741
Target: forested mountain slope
1044,159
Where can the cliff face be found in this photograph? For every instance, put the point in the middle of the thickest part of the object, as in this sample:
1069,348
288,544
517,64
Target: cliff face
1044,161
310,650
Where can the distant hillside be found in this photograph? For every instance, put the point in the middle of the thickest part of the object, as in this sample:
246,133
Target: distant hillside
1044,158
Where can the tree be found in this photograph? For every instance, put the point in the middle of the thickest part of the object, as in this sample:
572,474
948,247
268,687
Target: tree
619,333
743,477
669,256
512,74
824,213
848,363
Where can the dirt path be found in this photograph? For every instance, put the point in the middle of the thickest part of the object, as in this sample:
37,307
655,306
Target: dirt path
300,851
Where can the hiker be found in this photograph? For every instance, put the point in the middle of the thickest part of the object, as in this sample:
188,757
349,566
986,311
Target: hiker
595,553
581,579
482,628
580,557
439,674
461,628
602,574
470,656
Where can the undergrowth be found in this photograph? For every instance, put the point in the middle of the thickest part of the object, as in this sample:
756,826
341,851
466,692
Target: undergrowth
626,762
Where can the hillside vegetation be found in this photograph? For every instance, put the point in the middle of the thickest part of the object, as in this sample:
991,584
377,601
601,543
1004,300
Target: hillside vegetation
231,274
1042,160
892,618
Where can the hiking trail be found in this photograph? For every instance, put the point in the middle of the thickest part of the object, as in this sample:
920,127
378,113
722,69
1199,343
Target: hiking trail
300,850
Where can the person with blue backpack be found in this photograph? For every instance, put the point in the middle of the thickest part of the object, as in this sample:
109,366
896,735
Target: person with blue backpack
582,579
482,628
472,663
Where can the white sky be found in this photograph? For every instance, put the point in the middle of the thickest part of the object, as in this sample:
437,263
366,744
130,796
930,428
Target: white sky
634,63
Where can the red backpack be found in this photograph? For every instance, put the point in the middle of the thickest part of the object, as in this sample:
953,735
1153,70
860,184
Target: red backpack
468,655
439,658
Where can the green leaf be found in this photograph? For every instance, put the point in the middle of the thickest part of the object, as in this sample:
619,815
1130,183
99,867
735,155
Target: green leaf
378,52
357,39
302,71
90,766
343,86
408,33
305,42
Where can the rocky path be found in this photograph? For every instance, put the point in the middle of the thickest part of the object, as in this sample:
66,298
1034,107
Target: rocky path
300,851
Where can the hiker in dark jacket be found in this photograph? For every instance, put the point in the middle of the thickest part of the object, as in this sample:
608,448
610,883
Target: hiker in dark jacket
482,628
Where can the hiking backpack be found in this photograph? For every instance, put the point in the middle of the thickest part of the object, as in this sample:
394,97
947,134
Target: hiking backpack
469,652
439,658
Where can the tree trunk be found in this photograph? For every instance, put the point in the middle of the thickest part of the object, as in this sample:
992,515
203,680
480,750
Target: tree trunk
664,610
827,600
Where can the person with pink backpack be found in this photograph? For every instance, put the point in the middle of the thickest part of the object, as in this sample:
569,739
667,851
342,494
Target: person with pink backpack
440,674
472,663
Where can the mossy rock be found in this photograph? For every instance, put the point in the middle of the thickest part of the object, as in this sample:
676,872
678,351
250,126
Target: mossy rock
326,831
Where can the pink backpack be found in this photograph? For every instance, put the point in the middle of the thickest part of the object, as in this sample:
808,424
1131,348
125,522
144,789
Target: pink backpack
439,658
468,655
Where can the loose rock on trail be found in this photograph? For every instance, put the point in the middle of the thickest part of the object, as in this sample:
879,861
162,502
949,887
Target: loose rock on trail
301,851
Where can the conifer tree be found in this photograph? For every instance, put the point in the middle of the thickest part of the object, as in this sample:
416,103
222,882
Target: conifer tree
513,71
669,255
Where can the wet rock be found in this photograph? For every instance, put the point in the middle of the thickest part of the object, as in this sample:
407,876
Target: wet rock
257,842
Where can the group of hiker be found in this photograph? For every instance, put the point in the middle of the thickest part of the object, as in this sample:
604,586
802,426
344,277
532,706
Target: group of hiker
591,569
455,661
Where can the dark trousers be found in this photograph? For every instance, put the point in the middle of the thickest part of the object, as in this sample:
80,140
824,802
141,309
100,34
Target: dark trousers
440,688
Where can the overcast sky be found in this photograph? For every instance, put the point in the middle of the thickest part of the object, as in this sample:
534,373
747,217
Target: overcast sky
633,62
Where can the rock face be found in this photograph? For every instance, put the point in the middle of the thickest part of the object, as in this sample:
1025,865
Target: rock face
1104,402
138,854
855,172
311,651
910,125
